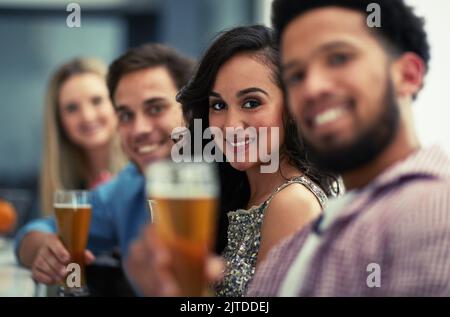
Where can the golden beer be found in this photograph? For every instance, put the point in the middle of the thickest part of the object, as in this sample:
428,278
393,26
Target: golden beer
73,226
187,226
184,210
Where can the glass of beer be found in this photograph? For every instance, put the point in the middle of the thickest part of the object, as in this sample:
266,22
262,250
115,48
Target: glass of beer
184,197
73,216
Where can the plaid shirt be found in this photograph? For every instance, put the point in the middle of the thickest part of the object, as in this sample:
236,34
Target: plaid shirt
400,222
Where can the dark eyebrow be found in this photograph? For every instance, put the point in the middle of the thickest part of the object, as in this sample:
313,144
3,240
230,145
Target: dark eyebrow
215,94
121,108
249,90
146,103
320,49
152,101
70,103
240,93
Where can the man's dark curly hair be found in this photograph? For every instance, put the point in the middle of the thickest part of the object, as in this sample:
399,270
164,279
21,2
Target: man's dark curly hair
400,27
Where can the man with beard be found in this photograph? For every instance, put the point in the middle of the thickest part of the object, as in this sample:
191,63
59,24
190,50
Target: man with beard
350,88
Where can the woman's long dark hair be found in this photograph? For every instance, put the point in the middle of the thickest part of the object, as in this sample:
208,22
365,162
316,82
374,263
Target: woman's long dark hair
235,189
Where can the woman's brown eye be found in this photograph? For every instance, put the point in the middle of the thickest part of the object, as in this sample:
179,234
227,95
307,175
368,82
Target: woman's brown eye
97,101
71,108
250,104
217,106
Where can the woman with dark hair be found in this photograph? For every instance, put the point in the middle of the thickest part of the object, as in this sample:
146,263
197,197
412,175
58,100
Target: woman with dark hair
238,86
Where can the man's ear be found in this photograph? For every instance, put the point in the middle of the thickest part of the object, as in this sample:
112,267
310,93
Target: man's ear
408,74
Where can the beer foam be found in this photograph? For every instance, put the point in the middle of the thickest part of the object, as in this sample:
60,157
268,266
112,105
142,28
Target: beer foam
180,192
167,179
71,206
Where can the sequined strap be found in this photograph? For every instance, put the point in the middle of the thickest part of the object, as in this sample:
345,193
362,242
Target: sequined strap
309,184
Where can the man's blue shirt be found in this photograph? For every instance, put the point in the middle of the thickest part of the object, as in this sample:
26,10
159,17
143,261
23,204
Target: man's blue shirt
119,213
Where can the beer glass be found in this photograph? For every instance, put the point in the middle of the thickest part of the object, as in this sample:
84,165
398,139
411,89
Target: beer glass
73,216
184,197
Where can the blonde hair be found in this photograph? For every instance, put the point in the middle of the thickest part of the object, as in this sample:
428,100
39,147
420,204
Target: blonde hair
63,164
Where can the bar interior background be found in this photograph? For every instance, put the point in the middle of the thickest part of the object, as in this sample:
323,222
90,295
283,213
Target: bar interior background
35,39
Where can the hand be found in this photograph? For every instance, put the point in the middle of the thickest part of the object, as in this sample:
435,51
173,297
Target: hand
49,265
149,265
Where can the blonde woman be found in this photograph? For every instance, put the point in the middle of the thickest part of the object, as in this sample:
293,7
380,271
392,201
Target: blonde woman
81,149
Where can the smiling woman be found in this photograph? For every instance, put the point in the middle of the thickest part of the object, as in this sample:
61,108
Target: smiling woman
81,149
238,87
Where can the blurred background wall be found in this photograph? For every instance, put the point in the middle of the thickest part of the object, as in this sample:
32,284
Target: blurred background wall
34,40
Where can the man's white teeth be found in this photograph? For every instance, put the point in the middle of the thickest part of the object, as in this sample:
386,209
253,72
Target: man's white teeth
241,143
329,116
146,149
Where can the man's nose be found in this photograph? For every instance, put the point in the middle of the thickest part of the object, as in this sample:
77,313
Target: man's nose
142,126
318,82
